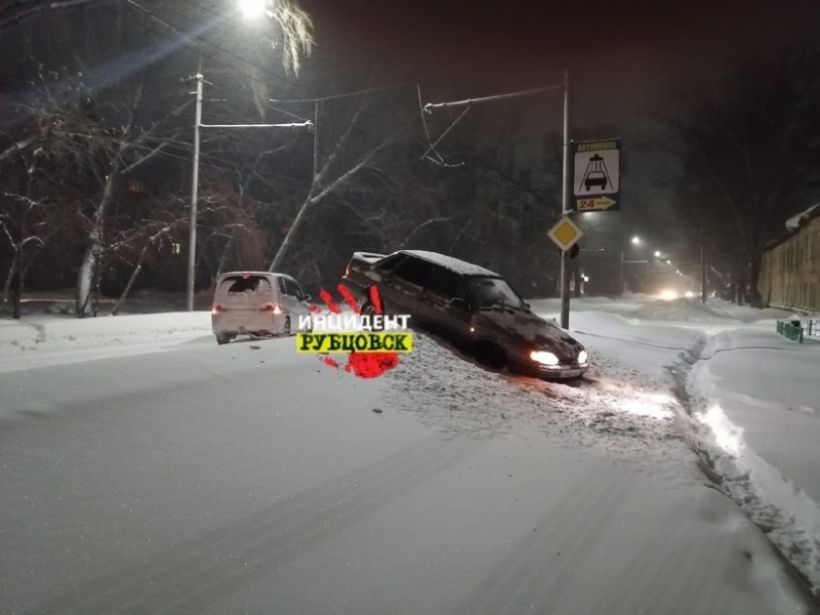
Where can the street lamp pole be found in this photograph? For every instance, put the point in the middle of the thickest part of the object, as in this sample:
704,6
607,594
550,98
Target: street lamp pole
189,286
565,208
198,126
702,260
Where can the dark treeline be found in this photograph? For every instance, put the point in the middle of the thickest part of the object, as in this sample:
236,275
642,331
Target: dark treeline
95,152
96,130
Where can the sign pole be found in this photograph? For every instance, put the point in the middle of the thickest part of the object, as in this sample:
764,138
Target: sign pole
565,208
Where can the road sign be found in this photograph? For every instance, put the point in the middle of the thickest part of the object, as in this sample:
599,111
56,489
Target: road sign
598,203
565,233
596,175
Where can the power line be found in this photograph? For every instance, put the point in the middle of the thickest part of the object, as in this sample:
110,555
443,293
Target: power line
467,102
380,88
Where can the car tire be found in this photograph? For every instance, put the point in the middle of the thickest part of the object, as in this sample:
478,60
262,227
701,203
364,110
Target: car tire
223,338
286,326
490,355
370,310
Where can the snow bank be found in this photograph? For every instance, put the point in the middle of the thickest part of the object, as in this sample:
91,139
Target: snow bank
51,340
46,333
614,407
753,398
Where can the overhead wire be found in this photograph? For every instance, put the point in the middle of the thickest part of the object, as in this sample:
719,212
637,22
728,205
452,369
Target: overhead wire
439,159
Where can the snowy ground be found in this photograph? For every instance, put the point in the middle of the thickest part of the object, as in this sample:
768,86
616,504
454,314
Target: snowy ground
178,476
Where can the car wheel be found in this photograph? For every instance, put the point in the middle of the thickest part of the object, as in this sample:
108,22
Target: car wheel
223,338
490,355
369,310
286,326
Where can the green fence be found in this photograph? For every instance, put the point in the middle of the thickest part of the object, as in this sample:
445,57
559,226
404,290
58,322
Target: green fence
793,329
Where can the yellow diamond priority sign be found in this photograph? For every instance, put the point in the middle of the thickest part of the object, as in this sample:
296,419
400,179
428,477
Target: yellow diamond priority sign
565,233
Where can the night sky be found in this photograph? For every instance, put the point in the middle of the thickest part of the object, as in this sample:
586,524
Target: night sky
625,58
621,54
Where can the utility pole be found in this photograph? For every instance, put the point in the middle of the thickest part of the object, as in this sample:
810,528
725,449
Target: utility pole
198,126
565,208
702,259
189,286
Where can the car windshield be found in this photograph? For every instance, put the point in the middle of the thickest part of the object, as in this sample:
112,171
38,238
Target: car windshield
493,292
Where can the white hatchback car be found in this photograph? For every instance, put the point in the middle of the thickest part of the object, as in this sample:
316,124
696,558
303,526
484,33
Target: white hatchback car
256,303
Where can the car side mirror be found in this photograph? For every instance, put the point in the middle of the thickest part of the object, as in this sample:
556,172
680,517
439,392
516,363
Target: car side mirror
305,297
459,303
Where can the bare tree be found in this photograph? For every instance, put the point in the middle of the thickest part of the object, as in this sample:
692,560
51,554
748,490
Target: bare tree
350,156
750,156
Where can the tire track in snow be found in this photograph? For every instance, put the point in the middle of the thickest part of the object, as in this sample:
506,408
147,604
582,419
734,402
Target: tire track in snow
198,573
757,488
537,565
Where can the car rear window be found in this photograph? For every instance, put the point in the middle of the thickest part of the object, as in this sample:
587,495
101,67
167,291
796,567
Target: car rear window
239,284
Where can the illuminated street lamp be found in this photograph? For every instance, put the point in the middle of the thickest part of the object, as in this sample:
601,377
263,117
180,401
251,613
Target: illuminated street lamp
252,9
636,242
657,253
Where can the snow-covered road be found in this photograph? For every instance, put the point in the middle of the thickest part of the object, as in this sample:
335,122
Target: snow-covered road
247,478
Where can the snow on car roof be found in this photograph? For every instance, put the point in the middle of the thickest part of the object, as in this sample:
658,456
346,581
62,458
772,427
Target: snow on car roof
454,264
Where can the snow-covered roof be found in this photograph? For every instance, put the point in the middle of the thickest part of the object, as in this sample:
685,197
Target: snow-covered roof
795,221
452,263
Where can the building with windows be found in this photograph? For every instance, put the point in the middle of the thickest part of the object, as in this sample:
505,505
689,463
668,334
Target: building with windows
790,267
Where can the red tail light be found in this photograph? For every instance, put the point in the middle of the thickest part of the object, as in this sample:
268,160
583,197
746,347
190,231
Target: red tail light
270,307
217,309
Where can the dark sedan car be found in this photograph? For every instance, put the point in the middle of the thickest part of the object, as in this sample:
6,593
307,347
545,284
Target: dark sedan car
473,307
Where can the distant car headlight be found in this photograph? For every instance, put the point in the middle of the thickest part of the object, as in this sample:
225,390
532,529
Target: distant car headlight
582,357
544,357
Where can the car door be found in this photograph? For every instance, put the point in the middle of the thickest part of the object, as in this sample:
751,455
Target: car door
443,303
403,286
291,298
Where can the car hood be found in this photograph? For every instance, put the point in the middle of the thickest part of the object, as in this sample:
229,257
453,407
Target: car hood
529,330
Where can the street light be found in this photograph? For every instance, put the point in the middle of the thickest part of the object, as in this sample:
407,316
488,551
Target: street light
636,242
657,253
252,9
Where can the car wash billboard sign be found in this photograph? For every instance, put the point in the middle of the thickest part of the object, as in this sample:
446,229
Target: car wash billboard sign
596,175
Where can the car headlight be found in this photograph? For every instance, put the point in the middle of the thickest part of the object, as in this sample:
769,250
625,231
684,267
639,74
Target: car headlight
582,357
543,357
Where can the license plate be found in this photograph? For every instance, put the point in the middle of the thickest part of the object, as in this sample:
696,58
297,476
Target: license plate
570,373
